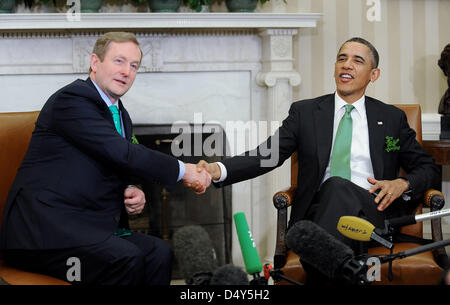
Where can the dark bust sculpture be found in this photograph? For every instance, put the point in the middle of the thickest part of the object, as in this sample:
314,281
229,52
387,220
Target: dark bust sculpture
444,64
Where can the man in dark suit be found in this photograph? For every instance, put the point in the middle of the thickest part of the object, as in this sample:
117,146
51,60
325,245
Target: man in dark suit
75,186
350,148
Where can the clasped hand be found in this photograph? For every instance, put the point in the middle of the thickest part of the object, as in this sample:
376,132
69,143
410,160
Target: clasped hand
196,178
199,176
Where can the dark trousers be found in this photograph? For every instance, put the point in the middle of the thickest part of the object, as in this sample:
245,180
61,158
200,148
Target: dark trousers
340,197
128,260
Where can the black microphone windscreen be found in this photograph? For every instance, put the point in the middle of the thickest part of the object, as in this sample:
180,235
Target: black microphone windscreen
229,275
195,254
318,248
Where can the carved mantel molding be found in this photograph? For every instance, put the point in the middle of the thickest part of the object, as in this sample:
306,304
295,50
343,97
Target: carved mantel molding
38,32
58,21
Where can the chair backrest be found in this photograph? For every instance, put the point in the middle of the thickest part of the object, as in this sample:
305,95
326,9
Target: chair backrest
413,115
15,135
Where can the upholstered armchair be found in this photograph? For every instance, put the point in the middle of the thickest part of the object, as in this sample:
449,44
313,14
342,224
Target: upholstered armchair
15,135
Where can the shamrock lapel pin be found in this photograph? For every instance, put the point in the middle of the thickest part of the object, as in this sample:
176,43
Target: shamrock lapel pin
391,144
134,140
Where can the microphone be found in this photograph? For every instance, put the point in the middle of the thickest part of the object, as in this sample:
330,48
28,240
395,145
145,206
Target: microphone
360,229
413,219
325,253
195,254
252,262
229,275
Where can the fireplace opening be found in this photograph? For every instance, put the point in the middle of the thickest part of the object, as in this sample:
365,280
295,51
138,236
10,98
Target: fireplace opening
166,211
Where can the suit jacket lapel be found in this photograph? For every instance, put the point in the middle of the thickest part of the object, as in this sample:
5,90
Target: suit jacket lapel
97,97
323,119
125,116
376,127
127,125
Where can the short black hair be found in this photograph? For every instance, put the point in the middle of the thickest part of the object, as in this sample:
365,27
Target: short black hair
376,57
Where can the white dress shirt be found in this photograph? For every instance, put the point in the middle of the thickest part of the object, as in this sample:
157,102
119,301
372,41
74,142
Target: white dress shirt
360,162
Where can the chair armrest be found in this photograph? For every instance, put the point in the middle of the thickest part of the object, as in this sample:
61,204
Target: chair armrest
282,200
285,197
435,200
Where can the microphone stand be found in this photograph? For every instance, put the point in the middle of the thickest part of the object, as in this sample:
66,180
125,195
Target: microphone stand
278,275
258,280
403,254
354,269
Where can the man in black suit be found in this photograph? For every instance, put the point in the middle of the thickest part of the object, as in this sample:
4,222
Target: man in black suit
362,181
75,185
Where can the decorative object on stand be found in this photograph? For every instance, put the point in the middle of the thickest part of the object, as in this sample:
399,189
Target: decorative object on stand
444,105
7,6
30,3
200,6
86,6
164,6
90,6
244,6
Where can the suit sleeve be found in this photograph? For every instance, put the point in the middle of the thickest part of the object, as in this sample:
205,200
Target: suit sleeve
82,123
269,155
422,172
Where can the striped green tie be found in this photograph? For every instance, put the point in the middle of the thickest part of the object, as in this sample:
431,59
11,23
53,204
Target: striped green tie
340,158
116,118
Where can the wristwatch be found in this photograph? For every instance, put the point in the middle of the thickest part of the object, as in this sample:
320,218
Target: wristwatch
407,195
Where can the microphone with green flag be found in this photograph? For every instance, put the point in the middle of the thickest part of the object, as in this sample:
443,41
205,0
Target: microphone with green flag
250,255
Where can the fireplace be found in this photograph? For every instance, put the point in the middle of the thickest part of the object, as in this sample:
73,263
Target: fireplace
168,210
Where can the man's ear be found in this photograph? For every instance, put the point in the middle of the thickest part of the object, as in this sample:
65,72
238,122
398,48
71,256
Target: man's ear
375,74
94,60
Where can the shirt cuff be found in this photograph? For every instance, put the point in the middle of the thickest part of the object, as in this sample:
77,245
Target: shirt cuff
182,170
223,173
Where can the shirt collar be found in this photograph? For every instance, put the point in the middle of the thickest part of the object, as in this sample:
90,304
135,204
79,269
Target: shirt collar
360,105
104,96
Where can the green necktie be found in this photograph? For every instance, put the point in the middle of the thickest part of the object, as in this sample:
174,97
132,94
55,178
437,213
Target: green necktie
116,118
340,158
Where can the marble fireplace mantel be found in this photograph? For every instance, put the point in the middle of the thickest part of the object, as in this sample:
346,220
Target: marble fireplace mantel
222,66
58,21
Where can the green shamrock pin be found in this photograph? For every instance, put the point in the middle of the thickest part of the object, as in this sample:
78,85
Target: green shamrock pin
391,144
134,140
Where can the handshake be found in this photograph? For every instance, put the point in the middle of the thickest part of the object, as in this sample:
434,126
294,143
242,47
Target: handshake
198,176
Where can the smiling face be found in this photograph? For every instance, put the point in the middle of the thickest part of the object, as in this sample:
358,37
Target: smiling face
115,74
354,70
